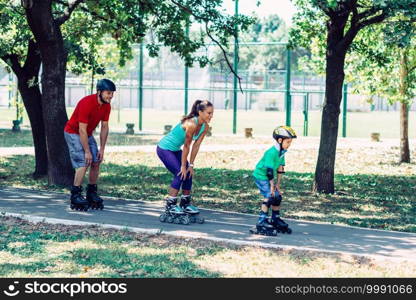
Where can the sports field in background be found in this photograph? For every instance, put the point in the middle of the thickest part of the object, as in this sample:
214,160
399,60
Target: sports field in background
359,124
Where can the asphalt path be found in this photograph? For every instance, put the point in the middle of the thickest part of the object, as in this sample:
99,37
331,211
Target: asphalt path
231,227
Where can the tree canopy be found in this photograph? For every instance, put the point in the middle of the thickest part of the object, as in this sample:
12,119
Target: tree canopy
342,22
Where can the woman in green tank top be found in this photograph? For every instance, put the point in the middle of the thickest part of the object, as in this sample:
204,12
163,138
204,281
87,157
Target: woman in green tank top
189,133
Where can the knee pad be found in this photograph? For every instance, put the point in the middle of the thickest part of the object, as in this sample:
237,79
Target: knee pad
266,203
269,201
274,200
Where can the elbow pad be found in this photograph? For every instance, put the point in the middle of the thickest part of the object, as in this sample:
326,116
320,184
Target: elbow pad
269,173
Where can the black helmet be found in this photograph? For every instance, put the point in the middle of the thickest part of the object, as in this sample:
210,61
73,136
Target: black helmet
106,85
284,132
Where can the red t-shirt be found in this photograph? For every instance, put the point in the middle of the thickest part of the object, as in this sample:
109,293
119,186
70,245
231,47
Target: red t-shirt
89,111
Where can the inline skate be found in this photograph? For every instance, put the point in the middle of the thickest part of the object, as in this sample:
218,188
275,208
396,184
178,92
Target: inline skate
264,228
78,202
271,227
95,201
190,210
173,213
280,225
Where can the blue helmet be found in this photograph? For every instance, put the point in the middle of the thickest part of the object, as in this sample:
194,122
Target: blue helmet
106,85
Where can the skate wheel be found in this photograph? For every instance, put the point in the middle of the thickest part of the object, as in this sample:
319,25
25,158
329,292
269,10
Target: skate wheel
289,231
162,218
185,220
200,220
72,207
192,219
176,221
169,219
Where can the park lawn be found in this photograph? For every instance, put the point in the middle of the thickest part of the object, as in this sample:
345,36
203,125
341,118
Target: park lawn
46,250
24,139
359,124
373,191
9,138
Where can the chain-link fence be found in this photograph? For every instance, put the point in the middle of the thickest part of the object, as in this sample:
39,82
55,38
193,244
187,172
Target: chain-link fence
261,105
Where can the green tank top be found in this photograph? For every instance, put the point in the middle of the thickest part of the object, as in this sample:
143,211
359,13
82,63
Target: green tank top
174,140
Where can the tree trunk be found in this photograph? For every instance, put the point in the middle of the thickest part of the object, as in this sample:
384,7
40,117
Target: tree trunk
404,133
27,83
54,58
32,100
335,60
404,109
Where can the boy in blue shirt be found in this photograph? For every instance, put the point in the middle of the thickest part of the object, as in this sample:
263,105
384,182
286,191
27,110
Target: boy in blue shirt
271,166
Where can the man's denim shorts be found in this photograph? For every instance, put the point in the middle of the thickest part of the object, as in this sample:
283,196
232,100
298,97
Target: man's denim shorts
76,151
264,187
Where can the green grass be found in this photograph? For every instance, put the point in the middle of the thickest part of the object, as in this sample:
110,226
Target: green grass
157,264
23,138
371,191
81,251
72,252
359,124
9,138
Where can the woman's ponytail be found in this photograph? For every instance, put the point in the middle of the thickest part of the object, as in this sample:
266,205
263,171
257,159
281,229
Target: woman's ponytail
199,105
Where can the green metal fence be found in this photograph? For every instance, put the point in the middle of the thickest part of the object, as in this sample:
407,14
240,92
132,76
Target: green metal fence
235,90
280,83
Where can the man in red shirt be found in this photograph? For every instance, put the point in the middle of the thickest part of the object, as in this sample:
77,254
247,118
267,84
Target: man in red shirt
83,150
